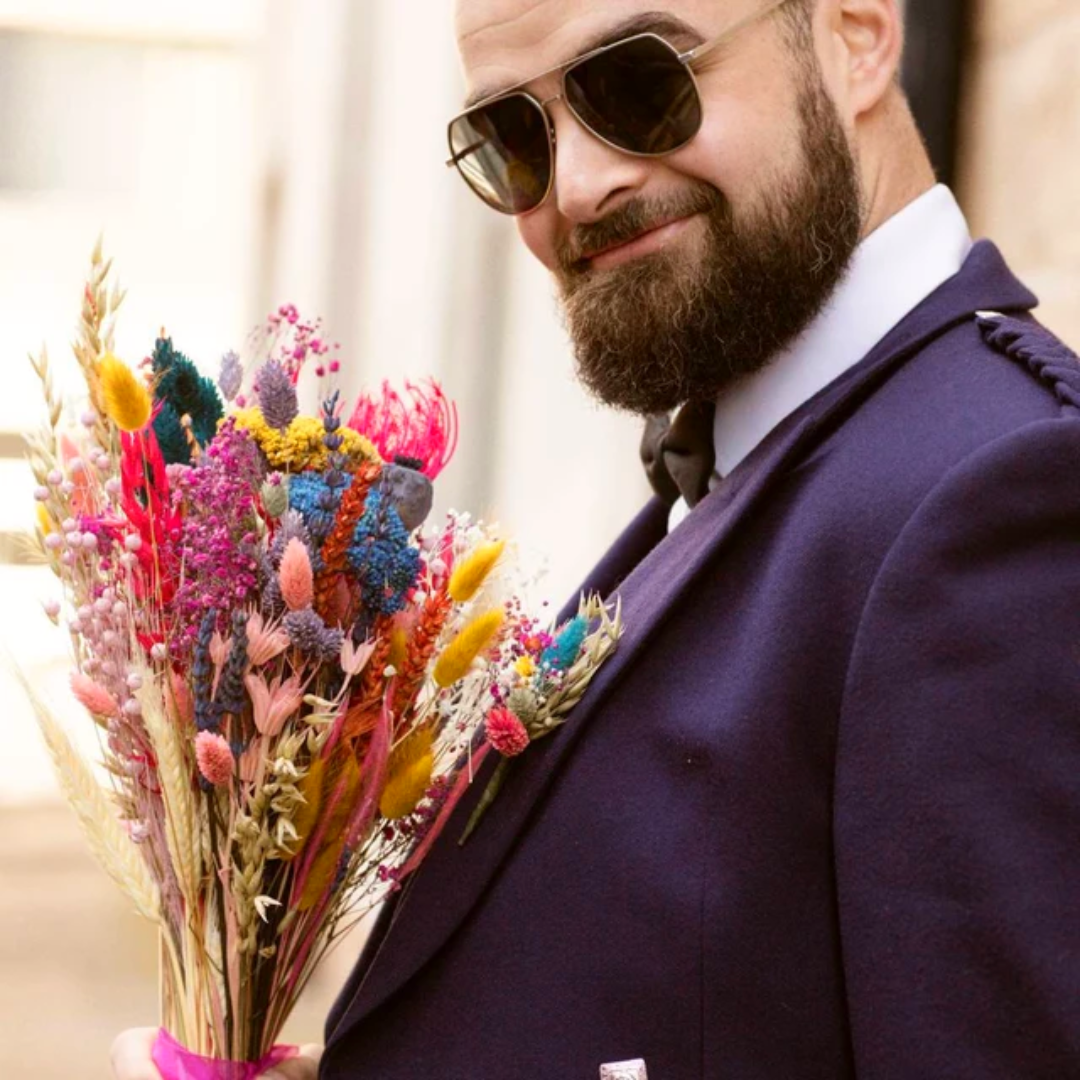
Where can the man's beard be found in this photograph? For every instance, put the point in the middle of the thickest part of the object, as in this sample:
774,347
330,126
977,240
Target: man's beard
662,330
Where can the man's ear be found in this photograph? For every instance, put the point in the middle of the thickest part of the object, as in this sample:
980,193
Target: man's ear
870,39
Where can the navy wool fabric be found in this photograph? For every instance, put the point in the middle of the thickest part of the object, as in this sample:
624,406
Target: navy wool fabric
820,816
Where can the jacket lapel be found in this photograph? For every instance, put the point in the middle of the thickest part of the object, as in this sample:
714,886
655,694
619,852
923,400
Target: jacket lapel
453,879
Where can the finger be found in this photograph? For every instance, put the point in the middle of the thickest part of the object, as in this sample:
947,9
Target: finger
131,1055
303,1067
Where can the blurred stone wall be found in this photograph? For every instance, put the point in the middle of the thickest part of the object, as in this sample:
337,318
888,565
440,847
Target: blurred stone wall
1020,155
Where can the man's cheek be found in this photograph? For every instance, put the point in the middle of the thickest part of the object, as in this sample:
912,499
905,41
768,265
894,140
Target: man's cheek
540,237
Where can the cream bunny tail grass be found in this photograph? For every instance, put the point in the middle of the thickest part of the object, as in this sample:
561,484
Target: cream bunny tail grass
110,844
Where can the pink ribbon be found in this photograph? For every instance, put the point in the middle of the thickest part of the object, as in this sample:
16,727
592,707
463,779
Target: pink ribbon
175,1062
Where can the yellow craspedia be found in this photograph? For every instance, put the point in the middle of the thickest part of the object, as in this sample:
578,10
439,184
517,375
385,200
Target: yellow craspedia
45,521
409,775
301,445
458,656
126,398
472,571
526,667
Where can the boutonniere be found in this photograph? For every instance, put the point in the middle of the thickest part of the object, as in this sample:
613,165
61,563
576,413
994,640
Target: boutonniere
546,678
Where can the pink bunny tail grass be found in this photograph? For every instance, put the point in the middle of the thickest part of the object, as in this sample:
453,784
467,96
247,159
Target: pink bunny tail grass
296,577
421,425
214,758
92,696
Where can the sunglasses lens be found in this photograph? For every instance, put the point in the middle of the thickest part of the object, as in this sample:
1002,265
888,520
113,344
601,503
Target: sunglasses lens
637,95
503,151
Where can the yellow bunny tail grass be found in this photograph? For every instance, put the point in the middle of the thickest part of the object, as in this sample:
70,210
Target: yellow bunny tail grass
409,775
473,570
339,794
112,848
127,401
457,657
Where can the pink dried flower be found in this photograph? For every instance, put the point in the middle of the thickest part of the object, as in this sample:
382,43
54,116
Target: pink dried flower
265,641
506,732
419,426
214,758
182,700
93,697
295,576
354,658
273,703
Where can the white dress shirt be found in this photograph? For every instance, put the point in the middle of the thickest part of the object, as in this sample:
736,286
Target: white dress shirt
892,271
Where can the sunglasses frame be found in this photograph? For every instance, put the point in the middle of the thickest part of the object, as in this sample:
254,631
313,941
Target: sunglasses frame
688,59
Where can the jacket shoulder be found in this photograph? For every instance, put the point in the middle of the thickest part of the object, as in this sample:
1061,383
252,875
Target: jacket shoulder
1037,351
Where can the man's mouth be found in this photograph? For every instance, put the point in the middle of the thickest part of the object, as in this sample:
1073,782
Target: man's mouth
647,242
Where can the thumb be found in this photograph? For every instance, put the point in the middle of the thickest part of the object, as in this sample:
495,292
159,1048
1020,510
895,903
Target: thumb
303,1067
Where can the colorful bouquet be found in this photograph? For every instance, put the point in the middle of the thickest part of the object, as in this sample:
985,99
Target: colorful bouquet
292,675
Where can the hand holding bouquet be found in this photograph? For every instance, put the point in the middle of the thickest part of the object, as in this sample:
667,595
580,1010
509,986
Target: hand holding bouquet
288,670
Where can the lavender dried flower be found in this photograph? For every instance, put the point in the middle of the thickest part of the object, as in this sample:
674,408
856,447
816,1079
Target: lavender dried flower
230,693
202,674
232,376
277,395
312,636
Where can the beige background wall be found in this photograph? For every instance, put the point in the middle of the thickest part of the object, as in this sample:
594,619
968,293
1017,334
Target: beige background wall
1020,176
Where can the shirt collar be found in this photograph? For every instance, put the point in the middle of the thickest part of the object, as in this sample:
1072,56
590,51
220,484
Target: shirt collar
892,271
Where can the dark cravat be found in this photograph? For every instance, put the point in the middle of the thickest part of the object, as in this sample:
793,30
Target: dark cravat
679,455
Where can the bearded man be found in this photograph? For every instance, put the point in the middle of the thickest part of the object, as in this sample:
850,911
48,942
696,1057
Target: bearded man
819,817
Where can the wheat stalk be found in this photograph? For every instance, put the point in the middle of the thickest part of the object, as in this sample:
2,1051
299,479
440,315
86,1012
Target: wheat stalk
175,777
112,848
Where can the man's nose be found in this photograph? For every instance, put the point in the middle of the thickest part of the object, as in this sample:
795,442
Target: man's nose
591,178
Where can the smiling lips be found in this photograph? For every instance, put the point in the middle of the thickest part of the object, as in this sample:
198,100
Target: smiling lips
646,243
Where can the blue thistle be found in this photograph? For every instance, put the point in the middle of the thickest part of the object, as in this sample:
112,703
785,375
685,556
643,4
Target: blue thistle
567,648
277,395
381,557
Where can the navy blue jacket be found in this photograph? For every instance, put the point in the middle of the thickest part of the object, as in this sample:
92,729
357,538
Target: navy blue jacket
820,816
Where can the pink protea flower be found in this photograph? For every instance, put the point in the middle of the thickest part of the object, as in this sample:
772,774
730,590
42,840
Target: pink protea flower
506,732
92,696
419,425
273,703
295,576
214,758
264,641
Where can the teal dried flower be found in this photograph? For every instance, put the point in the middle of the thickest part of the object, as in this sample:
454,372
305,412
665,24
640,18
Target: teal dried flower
177,383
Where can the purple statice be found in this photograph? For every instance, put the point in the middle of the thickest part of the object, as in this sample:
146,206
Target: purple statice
231,377
277,395
218,541
312,636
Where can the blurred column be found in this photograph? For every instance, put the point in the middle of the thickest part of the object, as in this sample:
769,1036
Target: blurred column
1021,146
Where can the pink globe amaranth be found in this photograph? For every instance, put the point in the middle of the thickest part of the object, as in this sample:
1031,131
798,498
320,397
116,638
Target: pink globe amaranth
506,732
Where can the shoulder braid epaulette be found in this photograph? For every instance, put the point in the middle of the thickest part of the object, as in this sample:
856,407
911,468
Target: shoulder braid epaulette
1051,361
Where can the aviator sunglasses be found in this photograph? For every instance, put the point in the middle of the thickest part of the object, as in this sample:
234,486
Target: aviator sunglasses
638,95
